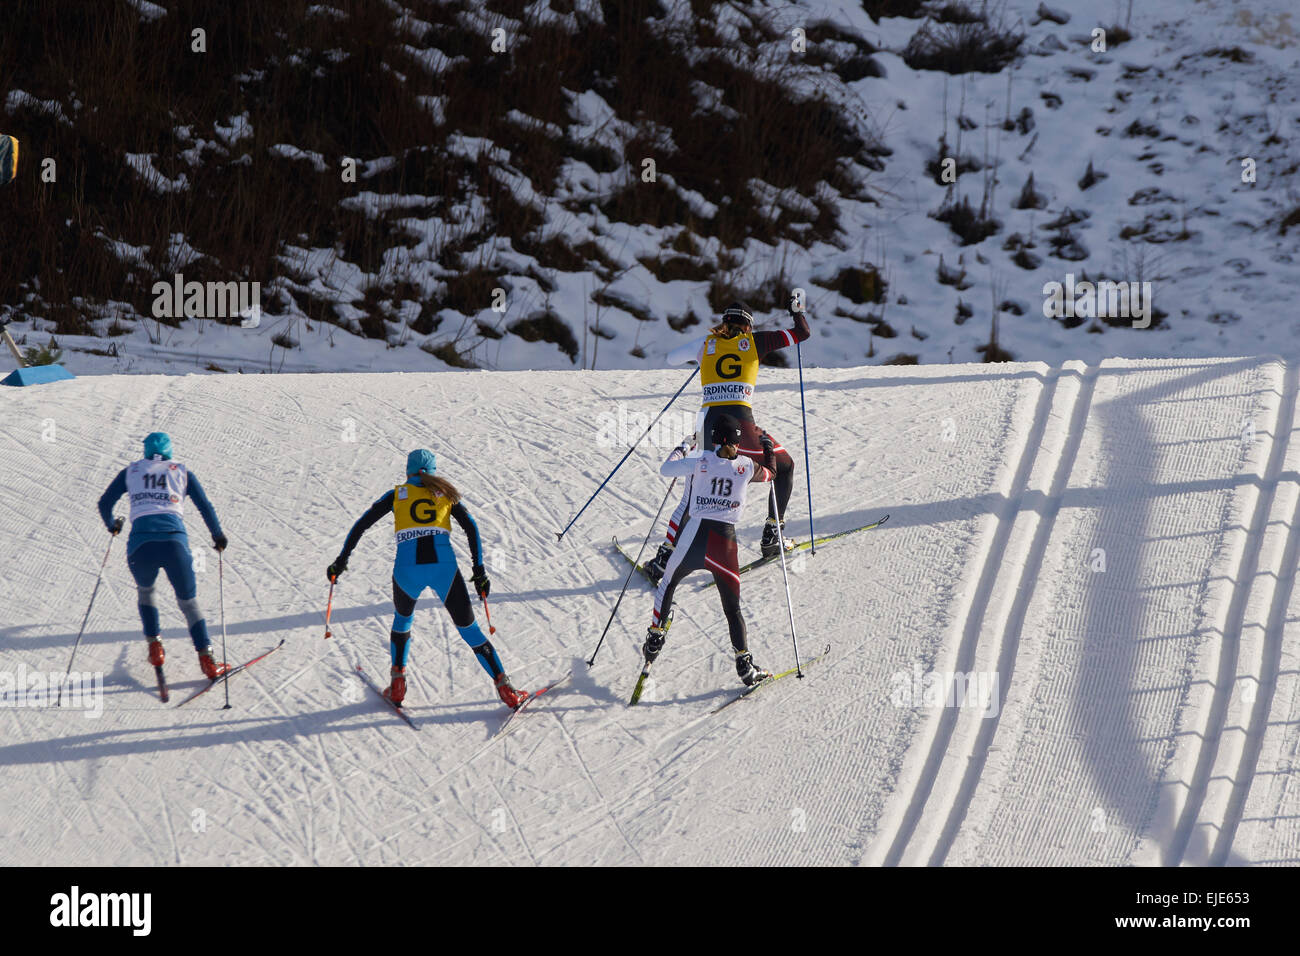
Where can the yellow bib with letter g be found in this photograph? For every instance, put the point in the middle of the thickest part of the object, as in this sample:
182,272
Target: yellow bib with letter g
418,512
729,369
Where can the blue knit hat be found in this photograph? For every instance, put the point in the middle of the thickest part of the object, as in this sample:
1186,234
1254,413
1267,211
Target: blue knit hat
420,460
158,443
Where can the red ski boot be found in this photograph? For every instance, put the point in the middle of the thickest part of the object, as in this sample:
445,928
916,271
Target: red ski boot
211,669
396,691
509,696
156,652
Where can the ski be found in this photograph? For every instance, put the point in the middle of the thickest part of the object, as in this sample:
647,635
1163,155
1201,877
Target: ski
229,673
162,684
760,562
531,697
770,680
640,567
395,708
804,546
640,684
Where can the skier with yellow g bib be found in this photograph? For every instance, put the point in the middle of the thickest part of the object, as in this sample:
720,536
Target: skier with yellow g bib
422,509
729,356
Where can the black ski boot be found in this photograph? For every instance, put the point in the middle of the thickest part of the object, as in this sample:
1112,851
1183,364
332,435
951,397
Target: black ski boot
659,563
654,641
747,672
771,543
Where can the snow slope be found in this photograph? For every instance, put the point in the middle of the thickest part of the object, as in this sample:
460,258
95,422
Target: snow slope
1166,118
1145,713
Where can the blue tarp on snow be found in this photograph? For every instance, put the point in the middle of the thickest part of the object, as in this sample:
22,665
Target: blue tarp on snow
37,375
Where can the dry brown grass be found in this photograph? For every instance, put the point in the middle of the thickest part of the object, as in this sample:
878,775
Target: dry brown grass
125,85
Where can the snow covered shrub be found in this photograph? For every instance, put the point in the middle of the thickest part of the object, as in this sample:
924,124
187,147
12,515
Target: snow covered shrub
876,9
860,286
984,45
546,327
1029,197
969,224
1116,34
447,352
958,11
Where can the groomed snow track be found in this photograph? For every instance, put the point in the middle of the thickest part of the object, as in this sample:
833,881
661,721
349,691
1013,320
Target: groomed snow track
1110,547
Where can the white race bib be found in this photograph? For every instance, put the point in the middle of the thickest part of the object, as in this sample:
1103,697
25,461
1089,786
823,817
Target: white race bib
718,487
156,488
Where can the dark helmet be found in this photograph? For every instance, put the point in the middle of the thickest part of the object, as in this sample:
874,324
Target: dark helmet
726,431
738,315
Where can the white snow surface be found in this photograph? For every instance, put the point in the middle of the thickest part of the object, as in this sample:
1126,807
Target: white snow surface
1114,543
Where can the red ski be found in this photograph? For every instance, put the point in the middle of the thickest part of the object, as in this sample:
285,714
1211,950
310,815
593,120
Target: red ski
229,673
396,708
506,724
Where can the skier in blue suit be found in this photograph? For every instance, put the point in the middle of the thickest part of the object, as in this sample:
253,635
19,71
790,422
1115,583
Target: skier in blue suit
156,488
422,508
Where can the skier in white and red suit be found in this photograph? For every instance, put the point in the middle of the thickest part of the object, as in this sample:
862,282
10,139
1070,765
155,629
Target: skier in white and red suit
716,485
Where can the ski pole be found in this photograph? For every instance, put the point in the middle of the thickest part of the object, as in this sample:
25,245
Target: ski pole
631,571
487,614
329,606
221,592
103,564
807,465
780,536
560,534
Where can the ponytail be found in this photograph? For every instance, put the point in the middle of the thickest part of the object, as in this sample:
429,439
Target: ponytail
441,486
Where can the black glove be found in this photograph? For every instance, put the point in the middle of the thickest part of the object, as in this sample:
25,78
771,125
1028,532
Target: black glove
338,567
116,528
481,583
219,541
769,453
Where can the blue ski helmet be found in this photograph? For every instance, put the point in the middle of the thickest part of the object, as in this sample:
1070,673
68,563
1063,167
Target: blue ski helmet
420,460
157,443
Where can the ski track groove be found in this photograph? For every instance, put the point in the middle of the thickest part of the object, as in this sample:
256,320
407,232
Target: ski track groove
990,559
1228,651
523,839
595,788
1062,466
167,819
1279,599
